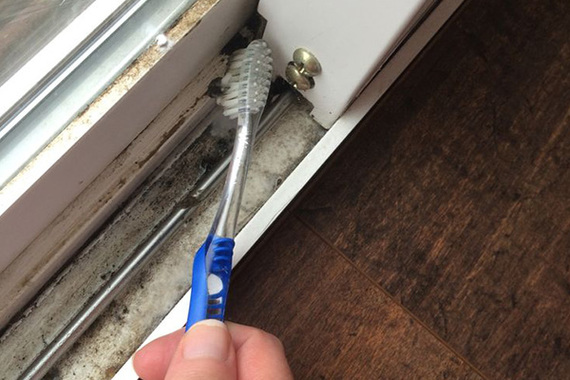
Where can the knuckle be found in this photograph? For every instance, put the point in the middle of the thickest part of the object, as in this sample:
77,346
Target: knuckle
274,340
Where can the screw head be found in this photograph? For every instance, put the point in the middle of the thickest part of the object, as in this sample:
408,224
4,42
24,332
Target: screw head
299,80
307,62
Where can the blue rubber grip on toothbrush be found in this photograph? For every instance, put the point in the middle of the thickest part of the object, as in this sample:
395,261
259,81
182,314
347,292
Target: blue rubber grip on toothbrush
202,304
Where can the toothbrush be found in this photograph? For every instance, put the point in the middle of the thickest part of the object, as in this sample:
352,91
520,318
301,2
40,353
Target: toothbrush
245,89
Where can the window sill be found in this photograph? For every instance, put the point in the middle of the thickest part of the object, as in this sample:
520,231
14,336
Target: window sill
38,230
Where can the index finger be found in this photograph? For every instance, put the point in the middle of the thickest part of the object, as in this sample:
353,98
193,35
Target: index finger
260,355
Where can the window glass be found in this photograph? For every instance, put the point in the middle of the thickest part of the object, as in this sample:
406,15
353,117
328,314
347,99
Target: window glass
56,56
26,26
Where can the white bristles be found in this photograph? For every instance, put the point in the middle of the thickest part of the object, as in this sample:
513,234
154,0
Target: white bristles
246,84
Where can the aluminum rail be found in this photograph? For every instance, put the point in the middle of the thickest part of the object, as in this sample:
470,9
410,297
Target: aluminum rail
143,253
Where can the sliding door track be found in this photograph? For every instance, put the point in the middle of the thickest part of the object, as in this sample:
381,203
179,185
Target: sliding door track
215,123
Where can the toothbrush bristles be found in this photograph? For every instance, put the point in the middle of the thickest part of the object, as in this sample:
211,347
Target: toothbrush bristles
245,86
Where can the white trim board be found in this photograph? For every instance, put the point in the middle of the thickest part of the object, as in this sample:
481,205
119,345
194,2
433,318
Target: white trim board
351,40
249,235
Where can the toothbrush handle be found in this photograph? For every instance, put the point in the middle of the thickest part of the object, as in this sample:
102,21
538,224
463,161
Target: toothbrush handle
204,305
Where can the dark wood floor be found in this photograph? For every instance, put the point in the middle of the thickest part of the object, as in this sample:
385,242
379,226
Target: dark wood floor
436,244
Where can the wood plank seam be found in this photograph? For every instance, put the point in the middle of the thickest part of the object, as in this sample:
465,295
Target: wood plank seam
390,297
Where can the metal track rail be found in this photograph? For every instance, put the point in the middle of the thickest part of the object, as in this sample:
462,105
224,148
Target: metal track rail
143,253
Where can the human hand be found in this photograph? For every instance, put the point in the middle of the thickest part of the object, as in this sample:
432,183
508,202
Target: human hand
213,350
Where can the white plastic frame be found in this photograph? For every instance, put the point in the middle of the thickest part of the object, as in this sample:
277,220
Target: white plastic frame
31,201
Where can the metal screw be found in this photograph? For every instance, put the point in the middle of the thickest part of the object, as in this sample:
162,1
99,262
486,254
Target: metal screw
302,69
161,40
308,63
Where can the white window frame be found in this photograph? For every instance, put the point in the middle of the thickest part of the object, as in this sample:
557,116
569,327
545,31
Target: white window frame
31,201
72,70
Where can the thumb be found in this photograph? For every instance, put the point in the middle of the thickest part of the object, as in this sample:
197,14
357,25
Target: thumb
206,351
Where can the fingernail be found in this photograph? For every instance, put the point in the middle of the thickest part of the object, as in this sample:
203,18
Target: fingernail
207,339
